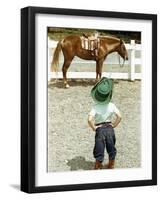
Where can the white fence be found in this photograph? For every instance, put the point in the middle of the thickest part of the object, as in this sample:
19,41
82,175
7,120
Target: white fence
131,75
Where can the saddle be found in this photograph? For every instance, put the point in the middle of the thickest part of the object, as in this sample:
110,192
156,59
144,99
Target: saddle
90,43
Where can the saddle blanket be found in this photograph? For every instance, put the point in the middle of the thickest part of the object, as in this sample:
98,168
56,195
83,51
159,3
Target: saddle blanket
89,43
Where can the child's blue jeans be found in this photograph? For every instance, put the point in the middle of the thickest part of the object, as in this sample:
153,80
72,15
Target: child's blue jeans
105,137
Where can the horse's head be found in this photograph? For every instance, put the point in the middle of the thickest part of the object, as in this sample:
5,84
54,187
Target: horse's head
122,50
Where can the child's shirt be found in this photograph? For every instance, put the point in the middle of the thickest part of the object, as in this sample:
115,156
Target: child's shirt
103,112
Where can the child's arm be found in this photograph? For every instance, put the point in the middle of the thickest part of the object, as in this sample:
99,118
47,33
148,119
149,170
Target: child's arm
117,120
91,122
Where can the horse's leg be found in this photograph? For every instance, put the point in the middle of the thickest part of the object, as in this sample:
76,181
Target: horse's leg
66,65
99,65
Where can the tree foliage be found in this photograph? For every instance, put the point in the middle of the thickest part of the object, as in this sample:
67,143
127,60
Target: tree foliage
60,33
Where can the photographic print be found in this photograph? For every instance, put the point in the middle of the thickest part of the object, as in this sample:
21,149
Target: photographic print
111,54
88,99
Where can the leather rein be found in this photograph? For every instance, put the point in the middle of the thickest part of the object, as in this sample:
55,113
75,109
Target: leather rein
121,65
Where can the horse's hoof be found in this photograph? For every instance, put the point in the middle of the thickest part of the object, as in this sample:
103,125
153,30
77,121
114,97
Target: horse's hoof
67,86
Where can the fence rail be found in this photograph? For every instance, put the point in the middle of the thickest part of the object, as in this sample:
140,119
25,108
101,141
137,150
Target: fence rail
131,75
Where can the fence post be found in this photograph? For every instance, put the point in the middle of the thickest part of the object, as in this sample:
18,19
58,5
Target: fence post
132,60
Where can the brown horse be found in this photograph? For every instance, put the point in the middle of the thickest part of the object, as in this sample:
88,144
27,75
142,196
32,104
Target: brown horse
72,46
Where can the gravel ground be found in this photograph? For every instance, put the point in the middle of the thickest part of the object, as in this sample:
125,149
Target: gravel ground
71,141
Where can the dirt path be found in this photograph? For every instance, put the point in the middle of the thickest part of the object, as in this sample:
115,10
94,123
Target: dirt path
71,141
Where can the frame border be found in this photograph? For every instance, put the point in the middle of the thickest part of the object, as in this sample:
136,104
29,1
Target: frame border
28,98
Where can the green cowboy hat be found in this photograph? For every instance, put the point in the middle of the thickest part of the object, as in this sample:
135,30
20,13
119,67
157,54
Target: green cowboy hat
102,91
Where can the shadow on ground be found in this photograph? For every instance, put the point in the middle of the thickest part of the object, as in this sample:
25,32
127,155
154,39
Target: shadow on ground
73,82
59,83
80,163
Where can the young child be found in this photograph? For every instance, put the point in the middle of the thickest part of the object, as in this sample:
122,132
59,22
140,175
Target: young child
100,120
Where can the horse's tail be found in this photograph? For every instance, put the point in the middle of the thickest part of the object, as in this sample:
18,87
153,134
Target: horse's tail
55,61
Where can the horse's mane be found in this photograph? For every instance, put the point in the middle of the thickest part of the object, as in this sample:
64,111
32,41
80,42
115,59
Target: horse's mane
109,37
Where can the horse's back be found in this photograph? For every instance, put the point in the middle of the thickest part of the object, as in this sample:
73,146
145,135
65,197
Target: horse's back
72,39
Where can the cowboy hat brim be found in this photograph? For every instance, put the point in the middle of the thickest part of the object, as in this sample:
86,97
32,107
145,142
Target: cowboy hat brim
102,98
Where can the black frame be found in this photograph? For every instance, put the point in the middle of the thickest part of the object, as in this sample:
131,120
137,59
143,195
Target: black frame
28,98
